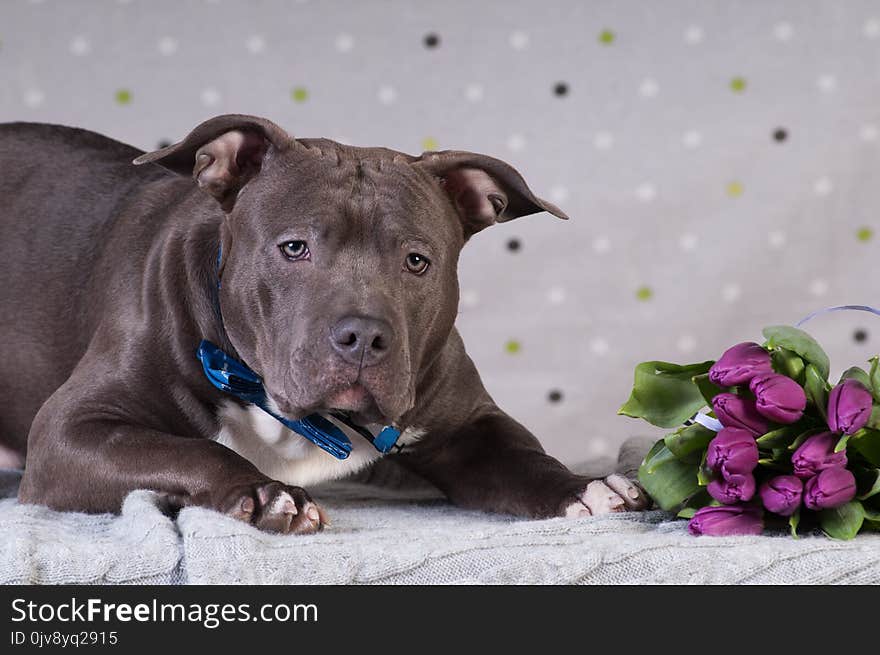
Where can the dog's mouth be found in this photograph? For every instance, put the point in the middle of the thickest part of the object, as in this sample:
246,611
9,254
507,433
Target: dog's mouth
356,402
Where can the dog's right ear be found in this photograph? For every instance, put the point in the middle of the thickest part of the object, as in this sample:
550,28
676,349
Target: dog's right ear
222,154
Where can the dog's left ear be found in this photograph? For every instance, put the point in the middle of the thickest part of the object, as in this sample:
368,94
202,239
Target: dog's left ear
223,153
483,189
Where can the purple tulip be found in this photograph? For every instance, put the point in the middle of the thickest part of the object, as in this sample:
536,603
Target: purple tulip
782,494
817,454
737,412
778,398
734,450
726,520
732,488
740,364
849,407
831,488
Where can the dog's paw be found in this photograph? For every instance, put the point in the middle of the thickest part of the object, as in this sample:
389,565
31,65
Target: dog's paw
615,493
275,507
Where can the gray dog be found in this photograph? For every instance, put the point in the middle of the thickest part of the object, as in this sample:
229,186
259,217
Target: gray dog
328,271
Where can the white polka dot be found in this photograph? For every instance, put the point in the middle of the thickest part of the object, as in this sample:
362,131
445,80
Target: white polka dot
646,192
776,239
688,241
518,40
649,88
603,140
80,46
826,83
686,343
692,139
255,44
869,132
344,42
731,292
474,92
387,95
783,32
823,186
470,298
516,142
556,296
693,35
33,98
598,346
818,287
210,97
872,28
558,193
601,245
167,46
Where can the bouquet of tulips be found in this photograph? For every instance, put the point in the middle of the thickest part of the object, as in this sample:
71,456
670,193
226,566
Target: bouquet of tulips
763,438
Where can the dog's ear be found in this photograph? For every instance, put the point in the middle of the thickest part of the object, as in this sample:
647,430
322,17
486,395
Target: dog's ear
222,154
483,189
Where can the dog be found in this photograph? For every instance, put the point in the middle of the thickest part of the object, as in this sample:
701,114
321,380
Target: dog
322,275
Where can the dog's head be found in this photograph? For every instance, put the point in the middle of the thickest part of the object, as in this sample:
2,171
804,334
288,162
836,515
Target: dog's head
339,281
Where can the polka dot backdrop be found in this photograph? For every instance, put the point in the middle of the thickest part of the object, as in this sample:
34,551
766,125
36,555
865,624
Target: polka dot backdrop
720,161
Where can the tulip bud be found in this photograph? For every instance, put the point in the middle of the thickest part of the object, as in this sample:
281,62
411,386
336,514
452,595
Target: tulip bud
737,412
849,407
726,520
817,454
734,451
782,494
732,488
778,398
740,364
831,488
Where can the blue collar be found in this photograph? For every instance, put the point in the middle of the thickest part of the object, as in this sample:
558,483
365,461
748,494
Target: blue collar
235,378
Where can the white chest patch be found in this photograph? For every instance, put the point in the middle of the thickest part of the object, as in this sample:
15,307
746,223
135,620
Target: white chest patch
283,455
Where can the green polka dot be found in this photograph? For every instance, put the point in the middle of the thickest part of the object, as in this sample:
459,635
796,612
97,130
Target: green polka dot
512,347
123,97
734,189
644,293
606,37
299,94
429,143
738,84
864,234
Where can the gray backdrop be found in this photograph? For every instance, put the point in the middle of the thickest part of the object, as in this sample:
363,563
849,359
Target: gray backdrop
719,159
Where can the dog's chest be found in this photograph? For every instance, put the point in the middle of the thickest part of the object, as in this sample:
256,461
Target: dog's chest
283,455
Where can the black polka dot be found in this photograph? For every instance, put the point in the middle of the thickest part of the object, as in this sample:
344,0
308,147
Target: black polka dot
860,335
555,396
164,143
432,40
513,245
560,89
780,134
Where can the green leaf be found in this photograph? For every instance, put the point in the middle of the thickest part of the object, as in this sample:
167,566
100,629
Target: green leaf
780,438
788,363
793,522
771,463
874,376
707,389
804,436
866,442
664,394
841,443
856,373
869,480
689,439
817,390
842,522
871,514
687,513
705,475
667,479
874,418
791,338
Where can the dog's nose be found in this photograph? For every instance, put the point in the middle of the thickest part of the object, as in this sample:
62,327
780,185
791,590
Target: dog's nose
361,340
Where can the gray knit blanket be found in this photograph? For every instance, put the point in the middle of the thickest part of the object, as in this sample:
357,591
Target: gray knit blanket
382,535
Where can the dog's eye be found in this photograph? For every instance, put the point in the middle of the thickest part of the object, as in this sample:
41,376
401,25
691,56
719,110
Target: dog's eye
416,263
295,249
